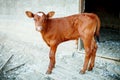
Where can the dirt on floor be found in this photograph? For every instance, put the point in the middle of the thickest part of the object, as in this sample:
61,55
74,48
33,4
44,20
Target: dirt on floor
24,56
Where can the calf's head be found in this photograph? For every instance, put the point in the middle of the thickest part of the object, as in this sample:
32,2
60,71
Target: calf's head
40,18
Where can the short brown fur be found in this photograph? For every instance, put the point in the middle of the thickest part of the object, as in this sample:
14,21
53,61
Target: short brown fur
57,30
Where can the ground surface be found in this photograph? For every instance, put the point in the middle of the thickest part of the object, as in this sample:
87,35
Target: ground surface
19,38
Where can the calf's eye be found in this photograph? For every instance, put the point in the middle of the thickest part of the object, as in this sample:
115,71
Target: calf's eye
34,19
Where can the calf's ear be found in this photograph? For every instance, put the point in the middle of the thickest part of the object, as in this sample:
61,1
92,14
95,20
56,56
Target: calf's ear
29,14
50,14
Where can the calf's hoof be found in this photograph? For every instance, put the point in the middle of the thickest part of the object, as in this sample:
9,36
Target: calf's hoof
90,69
48,72
82,72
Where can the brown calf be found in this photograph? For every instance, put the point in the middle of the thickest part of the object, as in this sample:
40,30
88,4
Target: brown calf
57,30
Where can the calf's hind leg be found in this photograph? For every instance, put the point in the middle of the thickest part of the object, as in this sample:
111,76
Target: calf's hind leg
87,46
94,49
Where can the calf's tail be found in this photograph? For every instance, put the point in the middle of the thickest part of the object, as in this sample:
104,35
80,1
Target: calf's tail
97,32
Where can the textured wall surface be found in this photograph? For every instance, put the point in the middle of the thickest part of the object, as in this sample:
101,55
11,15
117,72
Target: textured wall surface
18,7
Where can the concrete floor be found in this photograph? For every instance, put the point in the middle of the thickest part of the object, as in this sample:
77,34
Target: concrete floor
20,39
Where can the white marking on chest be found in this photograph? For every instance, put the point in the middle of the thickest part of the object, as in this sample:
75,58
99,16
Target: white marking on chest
40,14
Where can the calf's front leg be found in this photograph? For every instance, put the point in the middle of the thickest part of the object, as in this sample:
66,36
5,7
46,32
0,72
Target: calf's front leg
52,59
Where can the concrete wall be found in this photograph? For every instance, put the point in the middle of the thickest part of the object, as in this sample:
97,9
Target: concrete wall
12,12
17,8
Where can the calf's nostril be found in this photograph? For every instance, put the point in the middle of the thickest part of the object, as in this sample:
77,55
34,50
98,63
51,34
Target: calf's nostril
38,28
